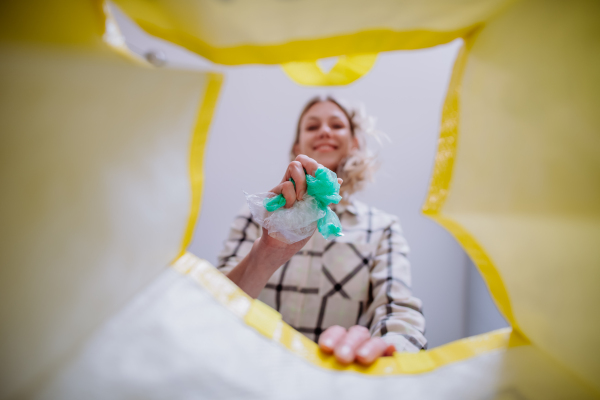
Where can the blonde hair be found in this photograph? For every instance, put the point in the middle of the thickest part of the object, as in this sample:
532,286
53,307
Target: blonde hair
360,165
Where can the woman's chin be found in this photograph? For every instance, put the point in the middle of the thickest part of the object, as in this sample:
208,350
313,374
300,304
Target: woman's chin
328,162
327,159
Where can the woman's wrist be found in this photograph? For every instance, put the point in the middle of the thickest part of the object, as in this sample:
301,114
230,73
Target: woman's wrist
264,259
254,271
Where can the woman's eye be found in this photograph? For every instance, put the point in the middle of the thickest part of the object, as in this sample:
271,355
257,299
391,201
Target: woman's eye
312,128
338,126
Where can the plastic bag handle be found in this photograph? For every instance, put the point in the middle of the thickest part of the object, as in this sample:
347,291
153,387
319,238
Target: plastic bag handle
348,69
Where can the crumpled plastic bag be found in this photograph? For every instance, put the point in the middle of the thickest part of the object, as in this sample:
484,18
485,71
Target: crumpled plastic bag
290,225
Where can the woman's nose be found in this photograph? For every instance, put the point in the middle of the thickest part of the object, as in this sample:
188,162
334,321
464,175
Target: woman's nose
324,131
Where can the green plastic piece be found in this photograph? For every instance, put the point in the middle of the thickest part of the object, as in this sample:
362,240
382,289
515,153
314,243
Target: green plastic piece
325,188
330,225
274,203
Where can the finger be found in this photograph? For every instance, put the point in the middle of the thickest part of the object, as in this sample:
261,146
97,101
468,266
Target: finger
331,337
340,181
345,350
286,189
391,349
289,193
296,172
371,350
308,164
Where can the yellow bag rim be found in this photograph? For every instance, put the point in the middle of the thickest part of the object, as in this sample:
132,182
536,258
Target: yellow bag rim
370,41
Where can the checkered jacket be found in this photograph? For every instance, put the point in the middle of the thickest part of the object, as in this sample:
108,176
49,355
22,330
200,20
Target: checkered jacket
361,278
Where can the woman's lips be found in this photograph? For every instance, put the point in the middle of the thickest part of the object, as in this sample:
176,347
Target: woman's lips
324,148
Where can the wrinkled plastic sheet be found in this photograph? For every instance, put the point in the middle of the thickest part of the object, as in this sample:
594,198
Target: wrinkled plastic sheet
291,225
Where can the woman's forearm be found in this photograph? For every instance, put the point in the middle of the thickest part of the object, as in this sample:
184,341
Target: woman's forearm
254,271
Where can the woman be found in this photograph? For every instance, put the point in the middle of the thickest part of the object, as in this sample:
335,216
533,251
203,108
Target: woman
352,294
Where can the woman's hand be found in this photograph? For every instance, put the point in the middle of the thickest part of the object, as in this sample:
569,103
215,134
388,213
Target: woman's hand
354,344
295,170
268,253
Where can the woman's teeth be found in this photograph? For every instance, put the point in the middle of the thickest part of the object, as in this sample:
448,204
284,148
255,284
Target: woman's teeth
325,147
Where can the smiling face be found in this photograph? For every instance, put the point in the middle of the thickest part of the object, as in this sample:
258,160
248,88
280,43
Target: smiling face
325,134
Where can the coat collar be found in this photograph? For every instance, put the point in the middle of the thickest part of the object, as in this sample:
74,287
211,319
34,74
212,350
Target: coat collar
350,207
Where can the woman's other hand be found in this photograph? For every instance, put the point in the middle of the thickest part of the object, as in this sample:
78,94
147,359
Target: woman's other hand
354,344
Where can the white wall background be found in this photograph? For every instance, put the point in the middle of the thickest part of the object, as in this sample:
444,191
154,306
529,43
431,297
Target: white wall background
248,148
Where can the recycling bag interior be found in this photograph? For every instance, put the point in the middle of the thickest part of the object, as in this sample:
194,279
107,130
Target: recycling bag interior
102,177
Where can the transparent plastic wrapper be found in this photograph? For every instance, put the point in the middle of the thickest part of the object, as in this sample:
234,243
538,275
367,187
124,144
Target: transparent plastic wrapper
290,225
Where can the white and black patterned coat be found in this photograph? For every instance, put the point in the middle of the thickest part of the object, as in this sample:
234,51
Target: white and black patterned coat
360,278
